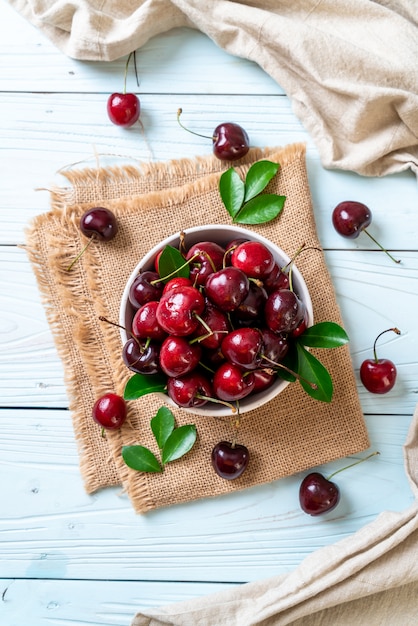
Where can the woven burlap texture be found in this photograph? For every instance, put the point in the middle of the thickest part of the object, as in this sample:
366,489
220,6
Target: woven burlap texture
151,201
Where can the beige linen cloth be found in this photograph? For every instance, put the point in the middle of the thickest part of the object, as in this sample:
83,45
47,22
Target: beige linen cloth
369,578
349,68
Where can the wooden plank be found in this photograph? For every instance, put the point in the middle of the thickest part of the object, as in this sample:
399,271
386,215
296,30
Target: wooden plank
88,603
41,133
32,375
51,529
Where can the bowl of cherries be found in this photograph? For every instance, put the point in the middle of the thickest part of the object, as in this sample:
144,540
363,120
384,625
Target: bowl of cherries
207,317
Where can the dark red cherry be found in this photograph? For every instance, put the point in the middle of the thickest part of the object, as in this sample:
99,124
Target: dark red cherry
350,218
317,494
144,289
230,142
283,311
141,356
110,411
99,222
227,288
205,258
229,460
191,390
214,320
243,347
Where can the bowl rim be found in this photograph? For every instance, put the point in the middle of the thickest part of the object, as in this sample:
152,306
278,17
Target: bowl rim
230,232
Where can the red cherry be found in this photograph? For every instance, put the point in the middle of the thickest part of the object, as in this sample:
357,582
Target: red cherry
230,141
351,218
100,223
379,375
229,460
123,109
230,383
317,494
253,258
177,310
109,411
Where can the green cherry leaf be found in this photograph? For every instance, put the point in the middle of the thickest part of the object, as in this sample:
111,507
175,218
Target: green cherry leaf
312,370
324,335
172,263
140,459
162,425
179,443
139,385
258,177
260,209
232,191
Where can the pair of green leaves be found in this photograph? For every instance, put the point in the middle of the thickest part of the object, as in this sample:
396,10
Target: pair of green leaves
244,200
172,442
314,377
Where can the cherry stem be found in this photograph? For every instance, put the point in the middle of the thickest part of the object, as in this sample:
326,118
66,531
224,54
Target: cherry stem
126,70
174,272
179,112
288,267
80,254
352,464
380,246
395,330
217,401
287,369
104,319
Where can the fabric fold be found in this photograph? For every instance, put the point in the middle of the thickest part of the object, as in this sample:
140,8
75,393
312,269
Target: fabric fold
349,68
378,562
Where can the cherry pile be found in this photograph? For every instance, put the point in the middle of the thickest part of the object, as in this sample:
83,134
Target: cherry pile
219,334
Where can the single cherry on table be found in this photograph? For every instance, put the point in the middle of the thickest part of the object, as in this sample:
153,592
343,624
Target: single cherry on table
229,460
230,140
109,411
124,108
379,375
350,218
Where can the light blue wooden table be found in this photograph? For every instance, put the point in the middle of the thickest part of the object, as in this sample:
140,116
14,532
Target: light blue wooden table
68,558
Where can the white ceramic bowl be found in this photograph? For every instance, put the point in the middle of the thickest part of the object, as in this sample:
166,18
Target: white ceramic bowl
221,234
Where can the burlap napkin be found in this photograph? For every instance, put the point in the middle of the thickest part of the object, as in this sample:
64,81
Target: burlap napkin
348,67
369,578
289,434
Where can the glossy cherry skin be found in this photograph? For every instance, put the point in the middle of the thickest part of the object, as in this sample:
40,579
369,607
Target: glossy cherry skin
191,390
99,222
378,376
230,142
109,411
275,346
277,279
243,347
229,460
205,258
283,311
317,494
178,357
219,324
252,307
253,258
350,218
145,324
227,288
123,109
178,282
177,309
142,290
263,378
230,383
141,356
